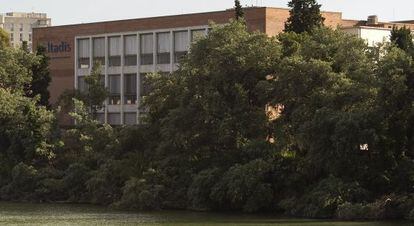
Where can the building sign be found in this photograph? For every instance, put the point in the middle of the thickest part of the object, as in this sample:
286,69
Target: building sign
62,47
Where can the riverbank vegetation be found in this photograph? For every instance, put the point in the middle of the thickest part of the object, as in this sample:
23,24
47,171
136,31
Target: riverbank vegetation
312,124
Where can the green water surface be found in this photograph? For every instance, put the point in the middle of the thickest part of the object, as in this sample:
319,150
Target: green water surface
69,214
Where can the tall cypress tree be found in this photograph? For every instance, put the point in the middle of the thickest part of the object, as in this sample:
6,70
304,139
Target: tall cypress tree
238,9
304,16
41,77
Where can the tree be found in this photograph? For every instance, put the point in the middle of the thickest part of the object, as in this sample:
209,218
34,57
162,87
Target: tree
92,97
24,46
403,39
41,77
238,10
327,87
304,16
15,66
96,92
4,39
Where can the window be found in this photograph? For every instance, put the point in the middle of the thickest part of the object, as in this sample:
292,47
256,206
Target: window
130,88
21,37
197,35
180,45
11,27
82,86
130,118
147,49
99,50
114,118
83,53
144,86
131,49
21,27
11,37
30,37
100,117
163,48
114,84
114,51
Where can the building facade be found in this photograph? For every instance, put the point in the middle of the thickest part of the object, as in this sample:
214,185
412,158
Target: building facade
130,49
20,26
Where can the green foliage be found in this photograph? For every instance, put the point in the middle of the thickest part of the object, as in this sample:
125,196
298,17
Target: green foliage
4,39
239,13
41,77
326,94
25,47
403,39
25,130
105,183
142,193
75,177
22,185
411,216
96,93
15,67
313,124
225,98
349,211
323,199
200,189
245,187
305,15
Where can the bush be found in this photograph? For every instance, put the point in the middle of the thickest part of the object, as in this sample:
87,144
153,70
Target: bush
141,193
349,211
23,184
411,215
245,187
50,186
387,207
323,200
105,183
200,189
74,181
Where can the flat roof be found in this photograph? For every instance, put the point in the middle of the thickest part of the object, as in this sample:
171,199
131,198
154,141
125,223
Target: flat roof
176,15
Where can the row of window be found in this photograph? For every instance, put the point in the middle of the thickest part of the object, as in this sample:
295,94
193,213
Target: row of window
130,118
114,88
21,37
21,27
162,48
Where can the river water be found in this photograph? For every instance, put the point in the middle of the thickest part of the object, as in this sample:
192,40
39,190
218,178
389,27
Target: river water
69,214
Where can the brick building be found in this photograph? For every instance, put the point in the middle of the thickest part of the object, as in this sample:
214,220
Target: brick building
129,49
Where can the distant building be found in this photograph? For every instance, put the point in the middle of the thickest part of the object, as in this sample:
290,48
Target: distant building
373,31
20,25
129,49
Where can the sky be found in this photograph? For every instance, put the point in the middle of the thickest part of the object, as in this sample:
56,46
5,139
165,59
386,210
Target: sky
83,11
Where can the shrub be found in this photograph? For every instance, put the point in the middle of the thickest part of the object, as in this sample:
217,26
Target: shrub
245,187
105,183
23,184
200,189
349,211
323,200
141,193
74,181
411,215
50,186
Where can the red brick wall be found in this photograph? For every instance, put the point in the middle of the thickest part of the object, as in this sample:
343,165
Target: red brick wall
269,20
62,64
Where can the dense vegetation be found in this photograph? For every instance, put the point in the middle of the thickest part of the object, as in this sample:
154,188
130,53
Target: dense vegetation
311,124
